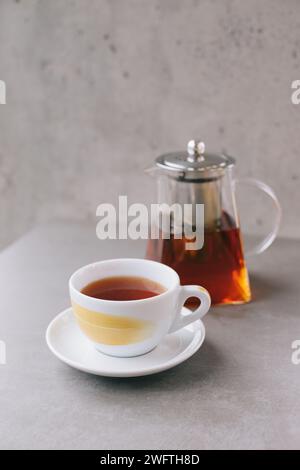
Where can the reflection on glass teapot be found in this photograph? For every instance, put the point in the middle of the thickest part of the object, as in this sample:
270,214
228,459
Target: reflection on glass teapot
197,177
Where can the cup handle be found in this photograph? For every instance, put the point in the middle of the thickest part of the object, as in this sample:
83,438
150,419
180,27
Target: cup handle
186,292
270,237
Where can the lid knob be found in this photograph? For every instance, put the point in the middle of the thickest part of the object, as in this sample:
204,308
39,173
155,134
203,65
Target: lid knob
195,150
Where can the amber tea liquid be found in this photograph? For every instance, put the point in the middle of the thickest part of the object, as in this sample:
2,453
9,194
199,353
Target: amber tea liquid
123,288
219,266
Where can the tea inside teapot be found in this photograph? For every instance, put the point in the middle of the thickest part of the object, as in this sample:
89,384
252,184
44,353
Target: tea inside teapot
195,177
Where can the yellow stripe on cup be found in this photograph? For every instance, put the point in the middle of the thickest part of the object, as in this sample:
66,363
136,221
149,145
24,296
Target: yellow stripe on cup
111,329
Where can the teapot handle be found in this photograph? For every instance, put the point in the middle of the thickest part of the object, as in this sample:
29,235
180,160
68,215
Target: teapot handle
270,237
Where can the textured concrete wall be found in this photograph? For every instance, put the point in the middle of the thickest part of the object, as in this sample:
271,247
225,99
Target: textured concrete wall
97,88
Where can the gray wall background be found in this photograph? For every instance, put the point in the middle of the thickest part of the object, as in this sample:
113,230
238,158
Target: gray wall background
96,89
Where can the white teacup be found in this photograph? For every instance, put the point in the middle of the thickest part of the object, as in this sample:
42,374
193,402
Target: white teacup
133,327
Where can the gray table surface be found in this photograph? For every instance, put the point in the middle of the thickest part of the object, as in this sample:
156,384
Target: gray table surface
240,390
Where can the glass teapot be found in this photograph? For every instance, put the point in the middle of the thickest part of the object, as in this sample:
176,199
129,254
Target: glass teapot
196,177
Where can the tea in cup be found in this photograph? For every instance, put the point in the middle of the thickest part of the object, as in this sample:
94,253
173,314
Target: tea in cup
127,306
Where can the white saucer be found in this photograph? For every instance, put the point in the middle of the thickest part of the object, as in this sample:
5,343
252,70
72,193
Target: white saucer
66,341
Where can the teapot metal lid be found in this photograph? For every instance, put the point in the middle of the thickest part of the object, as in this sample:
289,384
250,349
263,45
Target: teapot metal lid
195,163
